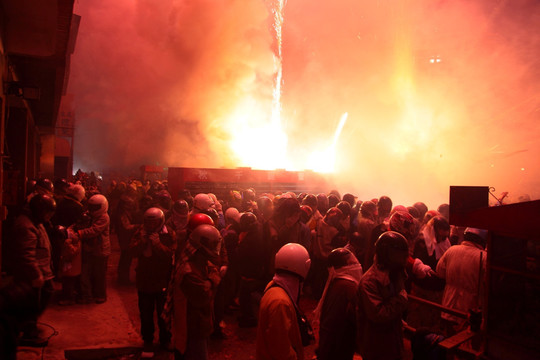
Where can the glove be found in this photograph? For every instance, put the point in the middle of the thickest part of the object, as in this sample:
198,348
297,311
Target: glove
72,234
421,270
154,238
213,276
222,271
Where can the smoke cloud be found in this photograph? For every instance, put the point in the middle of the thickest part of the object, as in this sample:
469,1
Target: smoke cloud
438,93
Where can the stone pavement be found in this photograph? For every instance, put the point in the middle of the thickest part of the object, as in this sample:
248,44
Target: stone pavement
111,325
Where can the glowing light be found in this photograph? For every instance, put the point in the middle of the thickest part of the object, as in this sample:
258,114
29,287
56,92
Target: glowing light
257,142
324,161
522,169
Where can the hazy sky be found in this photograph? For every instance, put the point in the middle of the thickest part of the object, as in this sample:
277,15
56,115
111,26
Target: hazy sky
438,93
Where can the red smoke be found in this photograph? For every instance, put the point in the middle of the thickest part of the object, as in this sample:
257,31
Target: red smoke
156,82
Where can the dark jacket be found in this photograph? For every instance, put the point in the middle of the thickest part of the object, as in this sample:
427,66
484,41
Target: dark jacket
30,251
126,222
250,254
95,238
337,331
383,302
199,287
154,259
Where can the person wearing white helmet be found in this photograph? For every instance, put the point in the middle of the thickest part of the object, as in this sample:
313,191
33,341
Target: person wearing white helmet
463,267
208,204
202,202
282,330
96,248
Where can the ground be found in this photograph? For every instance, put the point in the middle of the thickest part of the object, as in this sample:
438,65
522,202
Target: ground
111,330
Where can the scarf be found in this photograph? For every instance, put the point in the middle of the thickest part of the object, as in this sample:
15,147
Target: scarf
431,242
290,283
350,272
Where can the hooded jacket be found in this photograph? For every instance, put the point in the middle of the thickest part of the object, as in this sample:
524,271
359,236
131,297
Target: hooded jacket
31,255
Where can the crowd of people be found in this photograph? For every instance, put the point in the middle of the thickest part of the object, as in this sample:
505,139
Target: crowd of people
200,256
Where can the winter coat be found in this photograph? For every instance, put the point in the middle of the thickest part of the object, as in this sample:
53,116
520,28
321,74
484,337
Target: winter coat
95,239
30,253
460,266
194,290
382,305
125,227
250,254
154,263
337,331
278,334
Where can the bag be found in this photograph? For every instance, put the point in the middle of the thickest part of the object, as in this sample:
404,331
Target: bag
306,331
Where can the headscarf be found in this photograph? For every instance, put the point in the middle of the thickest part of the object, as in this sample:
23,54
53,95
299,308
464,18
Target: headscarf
432,245
351,272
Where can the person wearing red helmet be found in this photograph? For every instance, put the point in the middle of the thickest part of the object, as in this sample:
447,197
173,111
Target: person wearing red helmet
199,219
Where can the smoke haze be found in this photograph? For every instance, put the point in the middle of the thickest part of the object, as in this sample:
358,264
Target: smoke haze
438,93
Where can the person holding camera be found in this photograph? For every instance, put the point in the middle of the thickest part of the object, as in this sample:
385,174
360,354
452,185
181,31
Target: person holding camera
154,245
